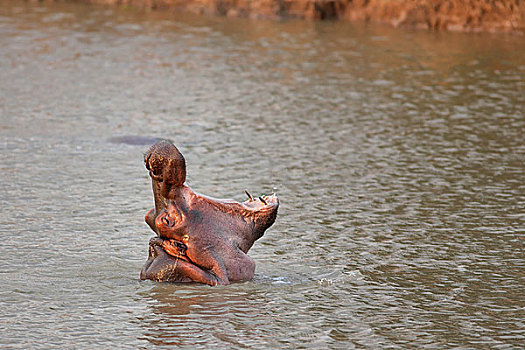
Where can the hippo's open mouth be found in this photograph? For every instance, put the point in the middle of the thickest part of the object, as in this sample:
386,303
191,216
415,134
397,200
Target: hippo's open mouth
257,207
260,202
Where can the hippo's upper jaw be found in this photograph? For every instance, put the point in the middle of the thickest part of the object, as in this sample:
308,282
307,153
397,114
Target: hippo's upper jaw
245,221
263,212
216,234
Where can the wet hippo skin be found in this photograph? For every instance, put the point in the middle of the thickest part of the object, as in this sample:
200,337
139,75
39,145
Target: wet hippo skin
199,238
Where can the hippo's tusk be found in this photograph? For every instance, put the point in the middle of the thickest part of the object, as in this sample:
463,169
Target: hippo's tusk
249,195
262,200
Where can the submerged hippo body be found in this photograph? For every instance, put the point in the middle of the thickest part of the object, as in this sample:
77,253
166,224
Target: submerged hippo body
199,239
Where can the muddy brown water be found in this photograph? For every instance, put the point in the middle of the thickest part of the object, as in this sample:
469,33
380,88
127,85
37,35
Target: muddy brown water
398,157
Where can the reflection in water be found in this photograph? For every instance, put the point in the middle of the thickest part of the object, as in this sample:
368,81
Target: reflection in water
397,155
189,310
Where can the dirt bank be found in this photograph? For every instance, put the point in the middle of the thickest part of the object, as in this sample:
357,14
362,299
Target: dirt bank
456,15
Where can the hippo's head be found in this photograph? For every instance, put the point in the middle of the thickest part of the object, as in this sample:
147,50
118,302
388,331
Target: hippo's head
215,234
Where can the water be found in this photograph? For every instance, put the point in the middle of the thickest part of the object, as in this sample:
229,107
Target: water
398,157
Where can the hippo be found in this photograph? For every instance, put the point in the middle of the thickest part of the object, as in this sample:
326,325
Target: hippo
199,238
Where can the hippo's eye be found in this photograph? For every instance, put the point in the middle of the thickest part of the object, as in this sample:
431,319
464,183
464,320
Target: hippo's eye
167,222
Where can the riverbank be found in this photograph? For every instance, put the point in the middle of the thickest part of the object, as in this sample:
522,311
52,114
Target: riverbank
452,15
